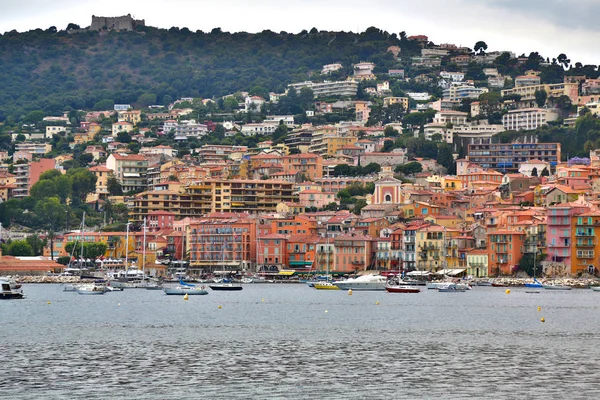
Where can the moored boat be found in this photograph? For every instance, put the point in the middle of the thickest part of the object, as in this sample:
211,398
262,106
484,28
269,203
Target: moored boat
9,293
556,287
325,286
402,289
535,284
183,290
231,286
365,282
595,288
452,287
91,289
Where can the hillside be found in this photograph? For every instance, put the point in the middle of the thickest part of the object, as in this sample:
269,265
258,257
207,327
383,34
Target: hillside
52,70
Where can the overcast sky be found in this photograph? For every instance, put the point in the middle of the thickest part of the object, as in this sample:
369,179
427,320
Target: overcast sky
548,26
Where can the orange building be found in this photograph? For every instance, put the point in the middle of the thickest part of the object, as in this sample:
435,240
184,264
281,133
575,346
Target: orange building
371,226
301,251
353,252
505,249
271,253
585,244
298,225
311,165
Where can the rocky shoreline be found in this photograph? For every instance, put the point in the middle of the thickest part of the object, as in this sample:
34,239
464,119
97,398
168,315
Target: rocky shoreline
507,281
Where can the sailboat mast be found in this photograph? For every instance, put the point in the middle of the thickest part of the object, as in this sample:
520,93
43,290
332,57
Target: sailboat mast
127,249
144,250
82,237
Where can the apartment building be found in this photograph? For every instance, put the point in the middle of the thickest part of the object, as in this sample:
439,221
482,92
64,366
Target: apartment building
190,129
527,80
527,118
129,169
505,249
311,165
527,93
323,89
459,92
388,101
508,157
353,252
27,175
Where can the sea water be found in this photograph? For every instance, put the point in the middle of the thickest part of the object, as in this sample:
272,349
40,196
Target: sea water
278,341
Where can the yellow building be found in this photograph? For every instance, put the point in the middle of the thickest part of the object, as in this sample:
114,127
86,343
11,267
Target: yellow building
451,183
585,244
102,174
132,116
388,101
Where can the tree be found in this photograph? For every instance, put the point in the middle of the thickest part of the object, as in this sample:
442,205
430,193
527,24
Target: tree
83,182
480,47
37,244
410,168
104,105
562,59
527,264
72,26
358,206
540,97
91,250
124,137
445,157
545,172
147,99
534,172
20,248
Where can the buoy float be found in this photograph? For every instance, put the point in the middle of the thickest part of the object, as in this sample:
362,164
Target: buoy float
119,304
219,307
349,292
377,303
186,297
507,291
263,299
48,302
539,308
326,311
543,320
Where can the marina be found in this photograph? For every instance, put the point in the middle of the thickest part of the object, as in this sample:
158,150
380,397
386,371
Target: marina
259,343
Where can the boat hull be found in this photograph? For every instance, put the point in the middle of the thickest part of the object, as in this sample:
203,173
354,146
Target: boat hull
557,287
450,290
183,292
370,286
595,288
225,287
325,286
90,292
11,296
534,285
402,289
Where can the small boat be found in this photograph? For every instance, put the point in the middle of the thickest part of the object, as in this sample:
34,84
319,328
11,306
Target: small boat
91,289
443,285
183,290
532,291
436,285
113,289
69,287
450,288
247,280
402,289
535,284
325,286
9,293
365,282
231,286
498,284
595,288
556,287
484,283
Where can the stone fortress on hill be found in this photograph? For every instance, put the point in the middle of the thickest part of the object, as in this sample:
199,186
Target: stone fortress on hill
124,23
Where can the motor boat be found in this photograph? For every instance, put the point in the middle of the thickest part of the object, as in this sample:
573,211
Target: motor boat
535,284
402,289
8,293
247,280
365,282
91,289
556,287
230,286
183,290
451,287
595,288
444,285
325,285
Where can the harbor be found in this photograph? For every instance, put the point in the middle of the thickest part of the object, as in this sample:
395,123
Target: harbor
291,341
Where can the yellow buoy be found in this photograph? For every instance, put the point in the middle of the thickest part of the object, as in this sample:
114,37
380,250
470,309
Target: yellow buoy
263,299
377,303
539,308
48,302
219,307
326,311
543,320
186,297
350,292
119,304
507,291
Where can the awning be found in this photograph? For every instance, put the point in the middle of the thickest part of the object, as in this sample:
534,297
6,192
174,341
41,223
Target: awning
418,273
131,175
287,272
450,272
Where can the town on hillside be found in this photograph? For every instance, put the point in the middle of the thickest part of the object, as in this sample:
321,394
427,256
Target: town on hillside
458,160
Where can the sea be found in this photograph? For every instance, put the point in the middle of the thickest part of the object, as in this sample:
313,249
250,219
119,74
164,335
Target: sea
289,341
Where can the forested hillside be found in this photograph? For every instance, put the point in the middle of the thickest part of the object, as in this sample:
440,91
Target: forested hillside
51,70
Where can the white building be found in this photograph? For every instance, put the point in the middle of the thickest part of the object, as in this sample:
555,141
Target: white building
419,96
259,129
329,68
527,167
253,103
364,70
287,120
54,130
190,129
122,107
527,118
169,125
323,89
453,76
496,81
450,116
459,92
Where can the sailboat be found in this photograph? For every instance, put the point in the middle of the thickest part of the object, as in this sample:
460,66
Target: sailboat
326,284
225,284
186,288
536,284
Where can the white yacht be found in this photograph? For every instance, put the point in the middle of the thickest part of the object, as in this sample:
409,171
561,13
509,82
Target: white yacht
365,282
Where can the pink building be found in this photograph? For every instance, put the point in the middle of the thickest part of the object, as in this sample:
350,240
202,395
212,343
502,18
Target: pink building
316,198
160,220
558,231
271,252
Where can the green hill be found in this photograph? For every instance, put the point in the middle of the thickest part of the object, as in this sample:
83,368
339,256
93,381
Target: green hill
51,70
